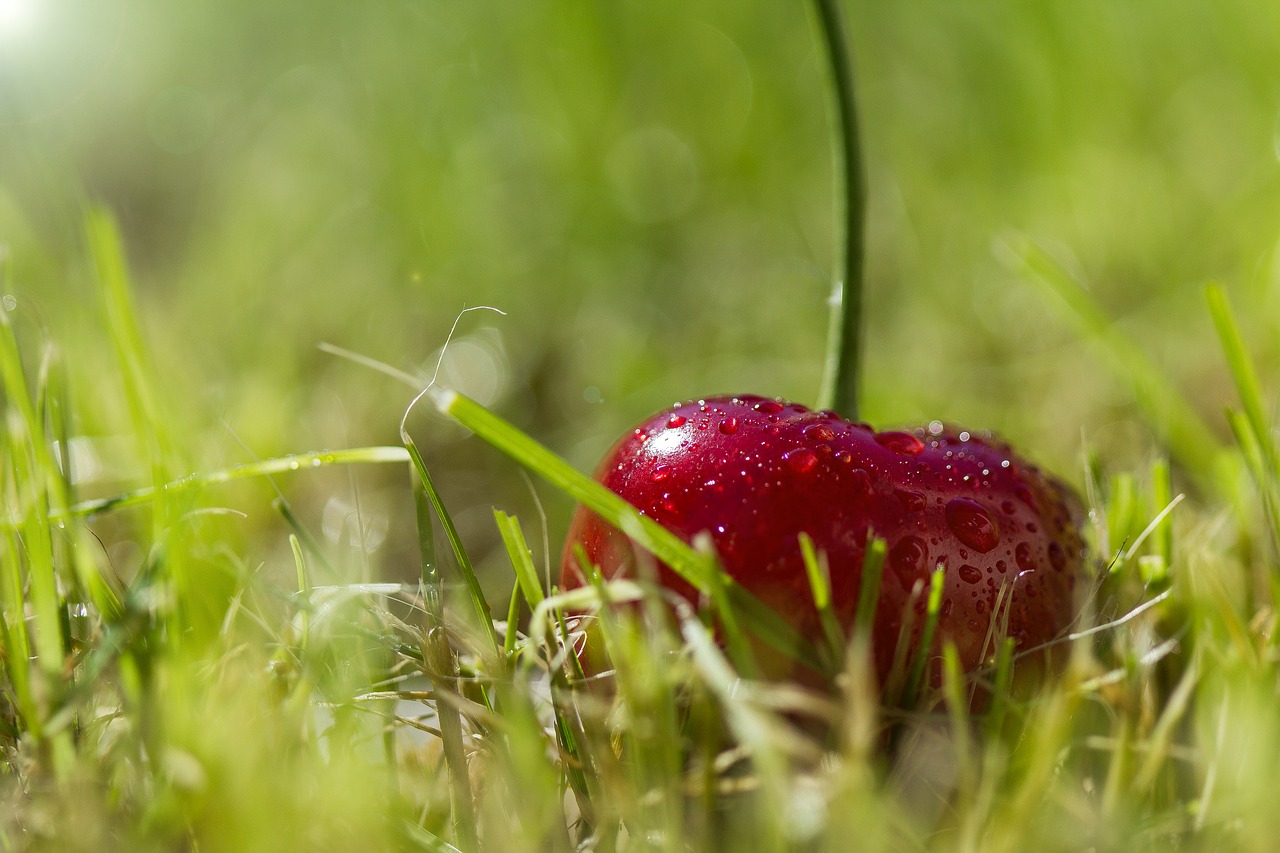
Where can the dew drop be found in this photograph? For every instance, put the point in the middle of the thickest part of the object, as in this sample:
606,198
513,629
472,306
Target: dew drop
911,501
900,442
660,473
844,456
819,432
1057,556
729,426
769,407
1001,565
972,525
1022,554
676,421
1024,494
946,608
907,558
1008,508
802,460
970,574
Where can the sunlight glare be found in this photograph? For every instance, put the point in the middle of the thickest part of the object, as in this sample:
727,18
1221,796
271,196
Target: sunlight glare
15,16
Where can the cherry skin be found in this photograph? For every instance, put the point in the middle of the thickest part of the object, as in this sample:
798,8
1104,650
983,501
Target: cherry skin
755,472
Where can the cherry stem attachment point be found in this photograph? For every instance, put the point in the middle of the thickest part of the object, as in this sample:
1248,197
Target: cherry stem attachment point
841,382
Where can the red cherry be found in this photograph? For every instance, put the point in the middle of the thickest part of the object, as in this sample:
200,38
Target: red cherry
754,473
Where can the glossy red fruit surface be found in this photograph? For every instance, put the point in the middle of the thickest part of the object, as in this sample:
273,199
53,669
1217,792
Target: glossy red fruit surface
755,472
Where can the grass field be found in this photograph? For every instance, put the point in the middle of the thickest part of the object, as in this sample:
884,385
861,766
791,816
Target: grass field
243,585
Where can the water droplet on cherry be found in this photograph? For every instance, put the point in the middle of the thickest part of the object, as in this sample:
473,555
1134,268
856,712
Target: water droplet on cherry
970,574
819,432
907,558
900,442
729,426
972,525
802,460
1057,556
676,421
1022,554
911,501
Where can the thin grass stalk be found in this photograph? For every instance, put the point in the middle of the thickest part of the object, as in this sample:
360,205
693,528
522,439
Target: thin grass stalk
1242,373
919,662
998,710
250,470
443,671
512,634
819,572
734,638
521,557
126,338
484,616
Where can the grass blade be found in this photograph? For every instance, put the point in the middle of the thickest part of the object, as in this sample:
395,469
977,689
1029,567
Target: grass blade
126,338
1180,425
520,555
933,610
442,669
1242,373
251,470
819,572
484,614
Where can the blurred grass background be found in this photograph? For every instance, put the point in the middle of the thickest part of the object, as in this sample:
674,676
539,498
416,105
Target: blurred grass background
645,189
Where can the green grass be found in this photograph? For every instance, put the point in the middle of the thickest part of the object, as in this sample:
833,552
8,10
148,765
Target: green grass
252,598
391,716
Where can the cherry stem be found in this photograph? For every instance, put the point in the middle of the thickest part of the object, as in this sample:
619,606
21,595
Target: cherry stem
841,370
